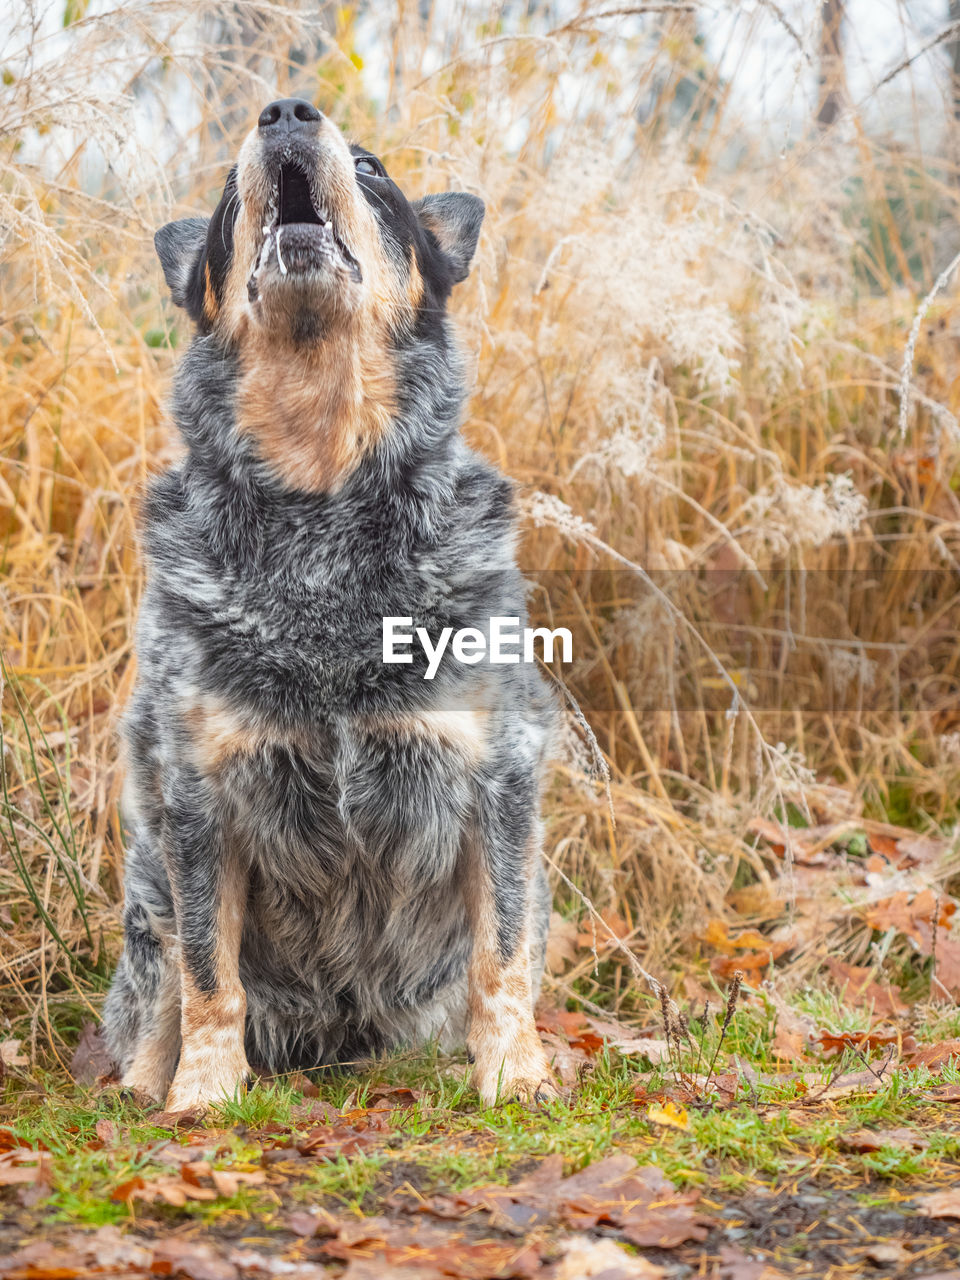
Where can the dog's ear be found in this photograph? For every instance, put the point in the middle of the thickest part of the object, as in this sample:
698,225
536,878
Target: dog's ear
178,244
454,218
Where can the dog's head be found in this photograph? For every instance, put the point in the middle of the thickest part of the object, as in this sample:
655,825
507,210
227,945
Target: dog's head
310,231
314,267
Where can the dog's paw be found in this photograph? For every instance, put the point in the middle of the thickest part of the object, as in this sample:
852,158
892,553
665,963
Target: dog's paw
531,1092
146,1081
203,1079
517,1071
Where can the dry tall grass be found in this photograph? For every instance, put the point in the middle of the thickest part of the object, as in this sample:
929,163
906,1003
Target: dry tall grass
687,348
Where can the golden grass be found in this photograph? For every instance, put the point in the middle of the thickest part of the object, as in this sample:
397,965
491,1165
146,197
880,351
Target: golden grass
682,352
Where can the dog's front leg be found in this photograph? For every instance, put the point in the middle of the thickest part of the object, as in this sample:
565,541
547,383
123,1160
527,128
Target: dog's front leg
502,849
209,886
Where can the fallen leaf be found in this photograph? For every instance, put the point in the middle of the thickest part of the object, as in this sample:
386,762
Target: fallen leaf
597,936
23,1165
91,1061
749,950
312,1222
626,1040
10,1054
669,1114
639,1201
432,1251
837,1041
192,1259
303,1084
934,1055
888,1251
229,1181
857,986
169,1188
905,911
794,1031
877,1139
944,1093
568,1061
561,943
737,1265
395,1097
106,1130
584,1258
885,845
939,1204
327,1142
922,851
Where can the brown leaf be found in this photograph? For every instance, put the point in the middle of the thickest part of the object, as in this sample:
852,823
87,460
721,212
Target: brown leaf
303,1084
639,1201
568,1061
748,950
106,1130
10,1055
626,1040
939,1204
794,1030
192,1259
395,1097
736,1265
944,1093
888,1251
947,966
124,1192
905,911
876,1139
934,1055
437,1251
858,987
837,1041
91,1061
561,943
584,1258
172,1190
317,1112
597,935
24,1165
326,1142
313,1222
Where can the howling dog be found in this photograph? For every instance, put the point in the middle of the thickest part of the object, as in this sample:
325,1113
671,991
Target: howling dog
328,856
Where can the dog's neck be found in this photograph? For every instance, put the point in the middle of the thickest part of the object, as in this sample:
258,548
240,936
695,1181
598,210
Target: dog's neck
313,412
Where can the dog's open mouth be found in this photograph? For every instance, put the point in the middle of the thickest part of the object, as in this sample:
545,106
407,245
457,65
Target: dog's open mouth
299,231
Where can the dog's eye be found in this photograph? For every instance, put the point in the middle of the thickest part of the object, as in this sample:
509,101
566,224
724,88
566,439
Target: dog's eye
370,168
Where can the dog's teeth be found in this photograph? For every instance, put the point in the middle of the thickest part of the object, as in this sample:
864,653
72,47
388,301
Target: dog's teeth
280,262
266,231
328,226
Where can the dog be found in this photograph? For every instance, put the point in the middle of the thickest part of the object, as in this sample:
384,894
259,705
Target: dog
327,855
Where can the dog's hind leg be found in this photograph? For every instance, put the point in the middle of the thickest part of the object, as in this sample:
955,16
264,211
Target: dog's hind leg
504,903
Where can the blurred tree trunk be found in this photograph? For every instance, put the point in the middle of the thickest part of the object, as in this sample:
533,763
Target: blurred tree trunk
831,62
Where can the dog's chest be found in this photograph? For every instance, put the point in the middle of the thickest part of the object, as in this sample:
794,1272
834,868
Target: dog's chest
383,795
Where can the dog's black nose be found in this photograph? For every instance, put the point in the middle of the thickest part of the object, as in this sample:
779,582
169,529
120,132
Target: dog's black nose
286,115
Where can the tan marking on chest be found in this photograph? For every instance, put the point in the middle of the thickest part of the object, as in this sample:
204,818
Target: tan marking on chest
219,733
465,730
313,414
